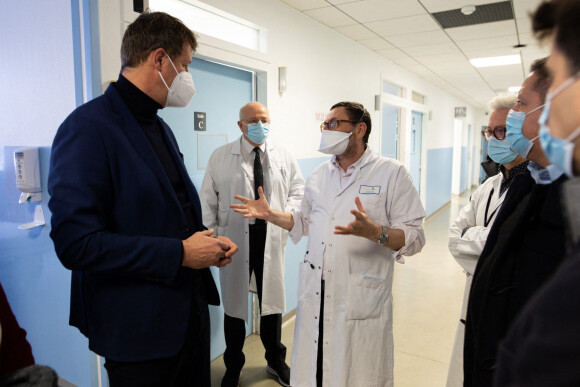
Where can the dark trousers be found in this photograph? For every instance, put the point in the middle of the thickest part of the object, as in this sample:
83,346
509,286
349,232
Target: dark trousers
189,367
270,325
320,338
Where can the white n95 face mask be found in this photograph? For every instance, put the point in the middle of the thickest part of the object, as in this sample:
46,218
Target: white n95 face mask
182,88
333,142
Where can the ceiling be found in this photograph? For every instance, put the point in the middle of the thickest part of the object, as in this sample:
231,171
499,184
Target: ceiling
409,33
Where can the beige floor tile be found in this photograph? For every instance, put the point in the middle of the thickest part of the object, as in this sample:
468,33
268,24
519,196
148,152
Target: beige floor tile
415,371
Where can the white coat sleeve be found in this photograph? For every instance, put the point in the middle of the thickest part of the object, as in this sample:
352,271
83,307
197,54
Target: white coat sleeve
466,249
301,217
406,213
296,188
209,196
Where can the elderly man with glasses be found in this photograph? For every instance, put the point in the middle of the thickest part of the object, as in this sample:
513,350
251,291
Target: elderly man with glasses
468,233
361,213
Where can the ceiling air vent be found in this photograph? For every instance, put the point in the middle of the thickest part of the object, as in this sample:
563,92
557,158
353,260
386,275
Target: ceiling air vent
485,13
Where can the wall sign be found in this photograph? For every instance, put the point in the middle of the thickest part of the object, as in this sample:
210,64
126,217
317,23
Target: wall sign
199,121
460,112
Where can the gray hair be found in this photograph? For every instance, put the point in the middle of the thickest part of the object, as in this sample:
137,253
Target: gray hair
503,101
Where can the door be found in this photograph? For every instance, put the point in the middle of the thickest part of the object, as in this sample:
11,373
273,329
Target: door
415,151
390,131
220,93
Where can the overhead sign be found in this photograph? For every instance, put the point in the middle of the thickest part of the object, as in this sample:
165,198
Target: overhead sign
460,112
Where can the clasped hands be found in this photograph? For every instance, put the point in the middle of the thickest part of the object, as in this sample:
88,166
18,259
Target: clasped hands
203,250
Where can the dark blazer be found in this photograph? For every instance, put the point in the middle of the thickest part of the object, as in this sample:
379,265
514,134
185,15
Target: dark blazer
542,347
524,247
118,225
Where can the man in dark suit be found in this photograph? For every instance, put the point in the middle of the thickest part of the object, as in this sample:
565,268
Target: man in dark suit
126,218
542,347
524,246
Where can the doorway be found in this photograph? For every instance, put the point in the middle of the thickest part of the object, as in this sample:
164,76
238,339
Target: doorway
390,123
415,148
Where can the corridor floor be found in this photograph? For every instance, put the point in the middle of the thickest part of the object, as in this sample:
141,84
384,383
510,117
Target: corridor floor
427,294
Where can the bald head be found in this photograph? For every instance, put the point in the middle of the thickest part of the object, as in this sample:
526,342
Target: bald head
252,113
248,111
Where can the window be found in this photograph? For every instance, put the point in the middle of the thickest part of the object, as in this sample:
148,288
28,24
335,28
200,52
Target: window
390,88
202,18
416,97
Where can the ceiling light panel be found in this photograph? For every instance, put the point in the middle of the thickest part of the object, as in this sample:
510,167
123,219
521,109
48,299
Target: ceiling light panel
496,61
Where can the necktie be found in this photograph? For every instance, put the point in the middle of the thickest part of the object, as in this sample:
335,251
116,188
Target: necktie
258,178
258,172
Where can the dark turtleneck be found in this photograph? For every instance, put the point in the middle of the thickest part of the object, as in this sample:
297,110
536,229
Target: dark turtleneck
144,109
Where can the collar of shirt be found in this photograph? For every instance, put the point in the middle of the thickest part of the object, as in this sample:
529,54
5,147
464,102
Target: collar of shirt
544,176
354,165
517,170
345,175
248,151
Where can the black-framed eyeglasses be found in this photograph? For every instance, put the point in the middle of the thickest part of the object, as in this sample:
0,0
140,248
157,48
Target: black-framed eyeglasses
333,123
255,121
497,132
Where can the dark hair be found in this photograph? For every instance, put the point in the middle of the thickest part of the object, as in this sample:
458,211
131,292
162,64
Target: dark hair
356,112
153,30
562,18
542,84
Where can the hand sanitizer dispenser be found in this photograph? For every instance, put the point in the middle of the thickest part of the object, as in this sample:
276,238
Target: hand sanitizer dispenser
27,171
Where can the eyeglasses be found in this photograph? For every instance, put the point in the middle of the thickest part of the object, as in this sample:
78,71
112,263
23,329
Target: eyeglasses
497,132
333,123
255,121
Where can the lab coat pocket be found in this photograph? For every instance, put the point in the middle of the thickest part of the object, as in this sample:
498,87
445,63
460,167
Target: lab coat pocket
366,297
374,207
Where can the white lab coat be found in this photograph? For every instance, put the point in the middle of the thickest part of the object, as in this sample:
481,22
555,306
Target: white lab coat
227,175
466,250
358,338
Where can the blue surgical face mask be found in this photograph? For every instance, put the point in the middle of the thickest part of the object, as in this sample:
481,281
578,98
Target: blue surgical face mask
514,136
499,151
559,151
258,132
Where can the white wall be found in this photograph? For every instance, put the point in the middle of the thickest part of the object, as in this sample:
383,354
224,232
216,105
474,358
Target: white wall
36,72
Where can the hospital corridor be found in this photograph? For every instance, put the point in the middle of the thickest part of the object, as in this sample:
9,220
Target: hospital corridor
427,295
218,193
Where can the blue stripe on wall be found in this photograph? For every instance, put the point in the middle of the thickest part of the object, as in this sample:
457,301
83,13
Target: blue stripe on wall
439,170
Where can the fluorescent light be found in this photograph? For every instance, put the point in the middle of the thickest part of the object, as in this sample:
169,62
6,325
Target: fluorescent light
495,61
514,89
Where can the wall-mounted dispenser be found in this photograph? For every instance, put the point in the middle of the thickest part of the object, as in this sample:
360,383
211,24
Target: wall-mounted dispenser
27,171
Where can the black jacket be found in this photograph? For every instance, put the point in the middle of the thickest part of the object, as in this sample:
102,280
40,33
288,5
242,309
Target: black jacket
524,247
